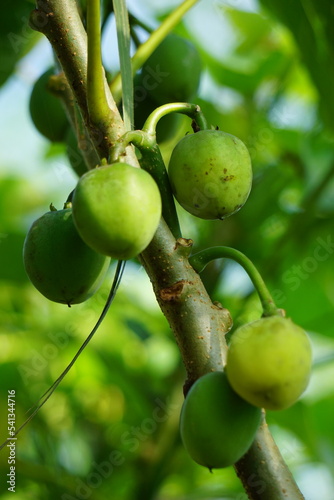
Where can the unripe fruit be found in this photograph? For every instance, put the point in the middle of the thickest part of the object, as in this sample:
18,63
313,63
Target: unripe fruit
117,209
46,110
172,72
143,107
217,426
210,174
58,263
269,362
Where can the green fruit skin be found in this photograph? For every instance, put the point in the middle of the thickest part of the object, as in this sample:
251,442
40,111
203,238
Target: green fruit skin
58,263
210,174
172,72
46,110
217,426
269,362
143,107
117,209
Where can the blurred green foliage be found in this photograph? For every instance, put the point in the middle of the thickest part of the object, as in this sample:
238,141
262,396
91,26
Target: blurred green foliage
111,428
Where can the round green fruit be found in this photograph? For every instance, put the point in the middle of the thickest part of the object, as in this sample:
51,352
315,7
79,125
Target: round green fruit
143,107
117,209
269,362
210,174
172,72
46,110
217,426
58,263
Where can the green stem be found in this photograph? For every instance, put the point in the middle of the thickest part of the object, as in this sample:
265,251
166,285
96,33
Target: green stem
148,47
96,97
137,137
185,108
151,160
201,259
134,37
134,21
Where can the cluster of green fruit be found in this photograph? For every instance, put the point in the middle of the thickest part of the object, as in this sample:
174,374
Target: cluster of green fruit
268,361
67,252
64,250
114,213
268,366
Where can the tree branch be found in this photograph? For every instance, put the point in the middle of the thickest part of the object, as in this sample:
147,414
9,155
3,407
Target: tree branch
60,22
198,324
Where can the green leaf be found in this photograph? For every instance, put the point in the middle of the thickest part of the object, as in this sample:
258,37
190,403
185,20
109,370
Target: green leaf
315,42
123,37
253,27
16,38
246,73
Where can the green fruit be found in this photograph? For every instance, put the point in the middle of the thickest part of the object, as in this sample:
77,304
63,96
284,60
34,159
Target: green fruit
269,362
74,154
172,72
46,110
117,209
210,174
59,264
217,426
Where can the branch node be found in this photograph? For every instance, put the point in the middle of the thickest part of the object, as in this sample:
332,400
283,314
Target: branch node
183,246
39,19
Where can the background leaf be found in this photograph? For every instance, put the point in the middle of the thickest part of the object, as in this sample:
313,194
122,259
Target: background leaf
16,37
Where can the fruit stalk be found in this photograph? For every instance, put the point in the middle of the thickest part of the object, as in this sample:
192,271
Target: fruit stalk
185,108
151,161
198,324
96,97
200,260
